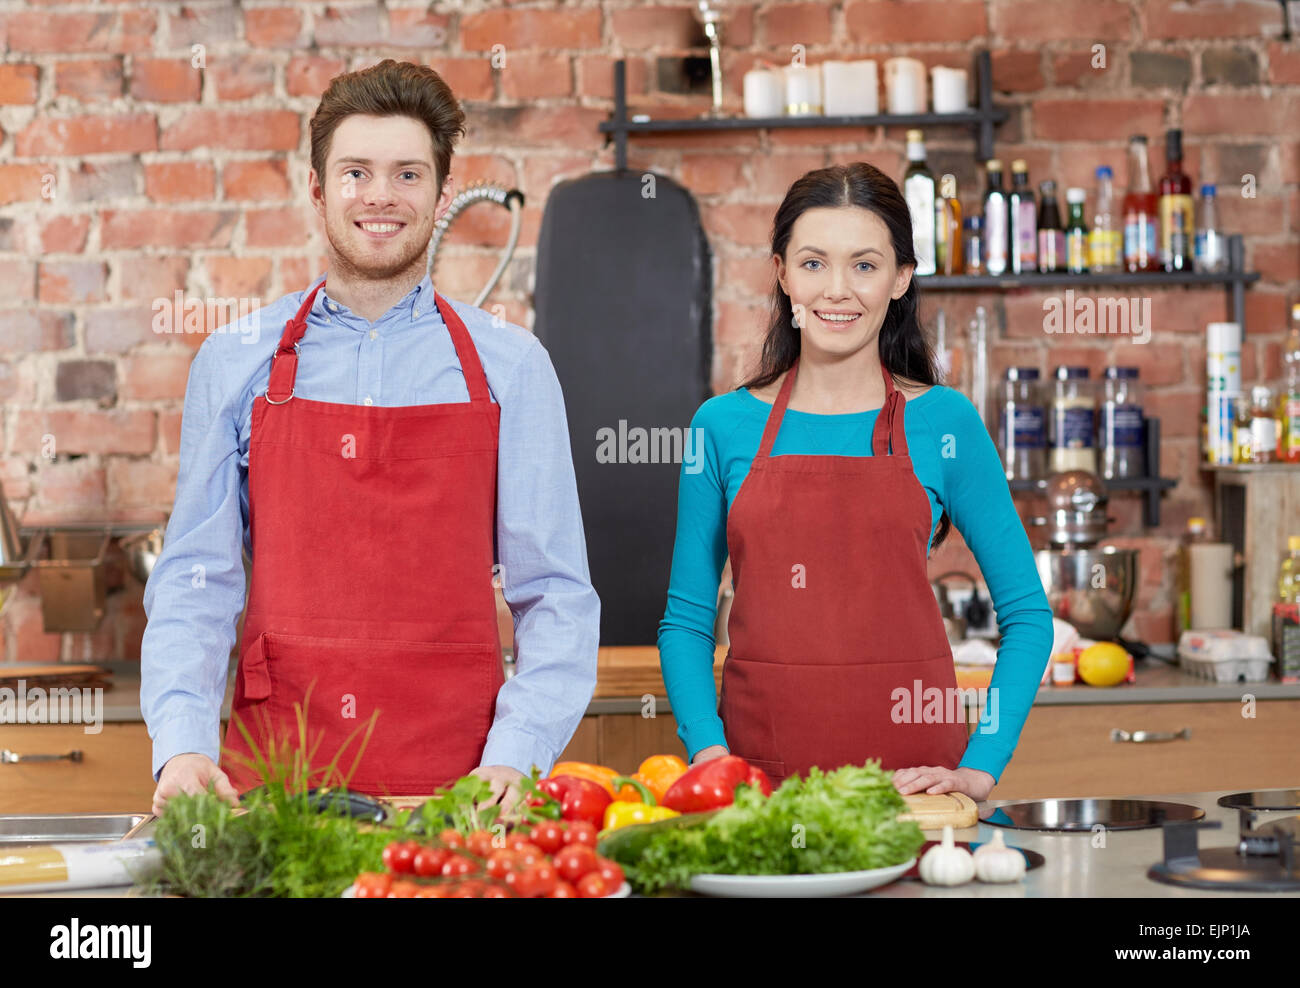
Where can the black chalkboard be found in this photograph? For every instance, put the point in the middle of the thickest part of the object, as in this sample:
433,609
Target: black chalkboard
622,302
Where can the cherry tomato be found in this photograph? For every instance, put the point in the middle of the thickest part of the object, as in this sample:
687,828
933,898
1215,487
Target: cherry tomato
517,838
497,892
429,892
429,861
511,880
373,884
403,889
470,889
500,862
575,861
549,836
479,843
563,890
593,886
527,855
452,838
401,856
458,865
537,881
581,832
611,872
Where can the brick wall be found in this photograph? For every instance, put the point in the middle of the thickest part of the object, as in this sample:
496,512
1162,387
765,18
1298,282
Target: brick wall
147,148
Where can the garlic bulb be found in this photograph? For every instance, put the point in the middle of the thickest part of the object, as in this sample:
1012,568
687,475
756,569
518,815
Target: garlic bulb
995,862
946,863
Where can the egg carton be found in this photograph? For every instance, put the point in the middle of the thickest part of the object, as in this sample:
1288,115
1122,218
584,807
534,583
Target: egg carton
1225,656
1228,670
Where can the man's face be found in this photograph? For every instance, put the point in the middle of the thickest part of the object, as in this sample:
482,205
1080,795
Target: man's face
379,195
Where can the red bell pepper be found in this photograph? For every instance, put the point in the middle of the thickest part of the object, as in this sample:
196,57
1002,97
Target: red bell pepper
579,799
712,784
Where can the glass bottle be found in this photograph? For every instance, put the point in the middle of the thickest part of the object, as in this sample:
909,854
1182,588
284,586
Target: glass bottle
1123,450
1103,238
1289,400
1176,233
1211,252
1263,425
919,191
948,253
1072,431
1197,532
1023,241
1141,246
1076,233
996,224
973,246
1051,236
1022,425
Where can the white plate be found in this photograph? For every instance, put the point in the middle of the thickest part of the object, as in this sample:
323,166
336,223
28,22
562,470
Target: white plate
622,892
799,886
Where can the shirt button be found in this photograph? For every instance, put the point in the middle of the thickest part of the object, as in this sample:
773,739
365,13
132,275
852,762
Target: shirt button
369,400
415,312
374,335
328,319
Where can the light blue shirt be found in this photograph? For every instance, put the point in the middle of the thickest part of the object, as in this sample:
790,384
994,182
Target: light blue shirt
406,357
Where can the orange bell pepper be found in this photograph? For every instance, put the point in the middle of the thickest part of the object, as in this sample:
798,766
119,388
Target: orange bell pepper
657,773
599,774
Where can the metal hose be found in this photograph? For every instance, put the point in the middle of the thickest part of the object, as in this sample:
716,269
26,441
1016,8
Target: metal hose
511,199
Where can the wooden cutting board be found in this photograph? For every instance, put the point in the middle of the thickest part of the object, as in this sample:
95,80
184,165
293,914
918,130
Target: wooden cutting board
934,812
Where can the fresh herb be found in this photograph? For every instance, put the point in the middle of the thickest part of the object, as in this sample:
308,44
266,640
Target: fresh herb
844,820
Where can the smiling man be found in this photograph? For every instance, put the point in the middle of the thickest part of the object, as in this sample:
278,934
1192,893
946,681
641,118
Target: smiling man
379,452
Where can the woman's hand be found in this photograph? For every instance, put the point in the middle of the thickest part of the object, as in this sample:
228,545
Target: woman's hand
709,753
936,779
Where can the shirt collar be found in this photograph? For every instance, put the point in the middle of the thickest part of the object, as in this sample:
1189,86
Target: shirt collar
418,303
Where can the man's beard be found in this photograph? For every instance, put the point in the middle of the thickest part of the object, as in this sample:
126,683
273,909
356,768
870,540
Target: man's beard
365,267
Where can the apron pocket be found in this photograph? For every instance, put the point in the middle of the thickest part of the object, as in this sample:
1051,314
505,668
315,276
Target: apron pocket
435,704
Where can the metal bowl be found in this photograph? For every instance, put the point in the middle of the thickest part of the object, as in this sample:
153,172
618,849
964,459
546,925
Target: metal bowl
142,551
1093,589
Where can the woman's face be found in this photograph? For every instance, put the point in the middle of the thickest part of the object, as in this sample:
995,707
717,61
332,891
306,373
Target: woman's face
840,273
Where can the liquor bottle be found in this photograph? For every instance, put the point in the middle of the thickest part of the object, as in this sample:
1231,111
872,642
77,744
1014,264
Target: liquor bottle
919,191
1076,233
1023,242
1103,239
1141,246
1176,243
996,221
1051,237
949,257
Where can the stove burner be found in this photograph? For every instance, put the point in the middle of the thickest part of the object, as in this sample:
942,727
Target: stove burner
1264,859
1265,799
1082,815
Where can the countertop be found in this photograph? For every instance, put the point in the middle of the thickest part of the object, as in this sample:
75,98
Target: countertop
626,674
1075,866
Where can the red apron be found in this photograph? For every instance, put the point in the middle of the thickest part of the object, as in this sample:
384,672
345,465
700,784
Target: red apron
833,611
372,536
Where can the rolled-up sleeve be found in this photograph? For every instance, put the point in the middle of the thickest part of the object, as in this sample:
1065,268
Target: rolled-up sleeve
542,553
196,591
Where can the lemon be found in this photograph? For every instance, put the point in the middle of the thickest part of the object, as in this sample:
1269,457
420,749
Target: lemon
1103,664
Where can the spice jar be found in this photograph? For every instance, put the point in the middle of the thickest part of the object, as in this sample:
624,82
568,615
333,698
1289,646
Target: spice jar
1123,453
1073,426
1022,425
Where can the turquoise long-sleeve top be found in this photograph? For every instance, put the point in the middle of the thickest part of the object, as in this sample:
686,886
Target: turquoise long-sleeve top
954,459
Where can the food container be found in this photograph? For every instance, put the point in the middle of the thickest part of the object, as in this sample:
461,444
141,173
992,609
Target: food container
71,567
1225,656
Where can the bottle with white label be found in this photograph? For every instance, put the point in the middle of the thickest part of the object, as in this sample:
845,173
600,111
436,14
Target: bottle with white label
996,221
919,190
1023,212
1073,433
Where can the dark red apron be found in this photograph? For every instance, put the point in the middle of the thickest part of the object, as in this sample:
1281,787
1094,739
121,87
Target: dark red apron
372,536
833,611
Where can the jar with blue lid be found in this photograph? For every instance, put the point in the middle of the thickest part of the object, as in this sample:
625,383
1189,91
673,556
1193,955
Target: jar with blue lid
1121,434
1073,422
1022,425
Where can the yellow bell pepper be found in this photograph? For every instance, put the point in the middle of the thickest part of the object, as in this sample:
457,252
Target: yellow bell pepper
599,774
621,813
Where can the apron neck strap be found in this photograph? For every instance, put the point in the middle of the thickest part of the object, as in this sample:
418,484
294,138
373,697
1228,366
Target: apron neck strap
284,362
886,437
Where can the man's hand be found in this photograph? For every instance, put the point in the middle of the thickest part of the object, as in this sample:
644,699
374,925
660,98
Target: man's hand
504,781
191,773
936,779
708,754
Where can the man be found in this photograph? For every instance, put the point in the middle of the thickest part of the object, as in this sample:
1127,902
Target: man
382,452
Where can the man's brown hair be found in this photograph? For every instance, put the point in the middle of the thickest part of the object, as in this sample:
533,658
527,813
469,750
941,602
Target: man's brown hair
390,89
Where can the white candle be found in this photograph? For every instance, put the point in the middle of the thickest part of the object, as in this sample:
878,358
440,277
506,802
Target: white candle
949,89
803,91
764,93
850,89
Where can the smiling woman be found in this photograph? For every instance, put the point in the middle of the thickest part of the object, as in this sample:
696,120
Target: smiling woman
828,513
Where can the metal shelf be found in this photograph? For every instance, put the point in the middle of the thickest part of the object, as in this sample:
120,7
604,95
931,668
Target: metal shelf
982,119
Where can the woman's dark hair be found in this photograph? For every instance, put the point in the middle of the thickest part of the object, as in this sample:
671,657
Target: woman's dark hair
904,349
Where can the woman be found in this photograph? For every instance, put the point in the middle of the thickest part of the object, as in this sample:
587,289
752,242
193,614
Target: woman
827,477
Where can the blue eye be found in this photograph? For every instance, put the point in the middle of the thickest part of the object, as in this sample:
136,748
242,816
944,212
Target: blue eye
868,264
411,173
811,260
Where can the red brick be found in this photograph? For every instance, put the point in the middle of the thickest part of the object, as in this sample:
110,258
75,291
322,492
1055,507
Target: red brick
523,29
118,330
179,181
1284,63
1061,20
72,282
775,173
22,183
64,234
739,223
16,387
43,31
89,80
243,78
1263,214
205,26
97,181
244,277
1076,68
17,280
164,80
413,28
169,432
24,331
713,174
85,431
470,78
156,376
75,136
150,277
542,173
262,180
238,130
471,168
310,75
1017,71
559,126
74,484
1233,113
284,227
879,22
1266,312
536,76
350,26
166,228
649,28
740,322
142,483
31,642
1279,263
273,27
805,137
19,84
1095,120
1158,364
1208,18
461,275
1178,411
596,76
747,275
796,23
